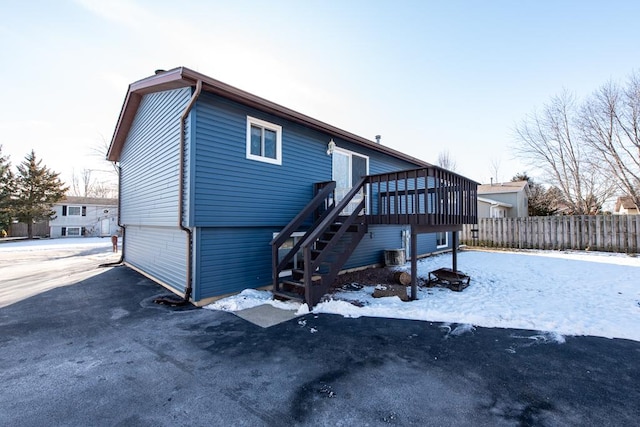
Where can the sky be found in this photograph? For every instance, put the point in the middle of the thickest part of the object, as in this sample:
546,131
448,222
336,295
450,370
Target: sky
428,76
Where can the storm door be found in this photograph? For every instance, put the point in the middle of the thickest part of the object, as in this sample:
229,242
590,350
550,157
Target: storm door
348,168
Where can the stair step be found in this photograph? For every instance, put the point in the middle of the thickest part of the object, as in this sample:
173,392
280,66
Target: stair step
321,244
299,275
353,228
288,296
293,283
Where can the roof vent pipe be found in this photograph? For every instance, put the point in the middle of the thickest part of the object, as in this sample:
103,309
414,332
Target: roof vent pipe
159,71
378,137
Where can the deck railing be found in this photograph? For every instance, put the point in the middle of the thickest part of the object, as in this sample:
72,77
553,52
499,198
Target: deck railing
425,196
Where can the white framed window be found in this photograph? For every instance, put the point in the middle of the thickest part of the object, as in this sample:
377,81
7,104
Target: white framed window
264,141
442,240
74,210
73,231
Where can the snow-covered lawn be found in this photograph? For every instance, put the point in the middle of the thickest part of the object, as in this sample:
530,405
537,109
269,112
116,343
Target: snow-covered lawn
566,293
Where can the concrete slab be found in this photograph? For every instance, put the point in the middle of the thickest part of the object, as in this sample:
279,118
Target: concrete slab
266,315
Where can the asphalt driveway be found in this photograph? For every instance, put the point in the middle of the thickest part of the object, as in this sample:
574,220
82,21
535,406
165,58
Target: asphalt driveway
100,352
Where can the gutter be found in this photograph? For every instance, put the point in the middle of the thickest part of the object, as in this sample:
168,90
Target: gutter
122,227
188,287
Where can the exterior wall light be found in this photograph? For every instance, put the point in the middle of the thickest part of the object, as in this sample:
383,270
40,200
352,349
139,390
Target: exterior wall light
331,147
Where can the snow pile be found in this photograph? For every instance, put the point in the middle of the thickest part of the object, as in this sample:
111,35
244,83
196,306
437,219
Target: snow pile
562,293
251,298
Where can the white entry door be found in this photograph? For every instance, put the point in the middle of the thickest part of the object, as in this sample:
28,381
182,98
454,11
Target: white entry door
348,168
105,227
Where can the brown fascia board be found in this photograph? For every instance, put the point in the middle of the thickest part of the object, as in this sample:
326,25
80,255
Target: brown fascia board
184,77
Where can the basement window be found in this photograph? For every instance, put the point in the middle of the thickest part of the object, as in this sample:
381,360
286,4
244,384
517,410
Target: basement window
73,231
264,141
442,240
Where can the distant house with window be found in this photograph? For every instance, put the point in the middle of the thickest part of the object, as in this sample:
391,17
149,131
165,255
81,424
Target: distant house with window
84,216
625,206
503,200
221,190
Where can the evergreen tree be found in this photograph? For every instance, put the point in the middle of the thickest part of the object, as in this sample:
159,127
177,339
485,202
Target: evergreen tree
542,201
7,187
37,189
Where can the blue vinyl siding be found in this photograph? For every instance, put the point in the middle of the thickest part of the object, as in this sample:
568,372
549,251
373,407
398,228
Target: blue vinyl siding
236,258
150,161
149,188
158,251
231,190
232,259
371,248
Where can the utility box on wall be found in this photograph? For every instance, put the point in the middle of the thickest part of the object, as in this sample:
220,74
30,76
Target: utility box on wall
394,257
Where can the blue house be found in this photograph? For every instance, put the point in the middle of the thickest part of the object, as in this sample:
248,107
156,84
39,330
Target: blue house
221,190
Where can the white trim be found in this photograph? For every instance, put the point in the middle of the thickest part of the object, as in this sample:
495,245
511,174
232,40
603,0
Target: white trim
494,202
74,235
350,154
265,125
74,206
446,240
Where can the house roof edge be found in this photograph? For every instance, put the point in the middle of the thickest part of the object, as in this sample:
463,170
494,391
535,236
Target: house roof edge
184,77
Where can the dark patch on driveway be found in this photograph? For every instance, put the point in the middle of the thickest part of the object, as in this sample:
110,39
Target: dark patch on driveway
100,353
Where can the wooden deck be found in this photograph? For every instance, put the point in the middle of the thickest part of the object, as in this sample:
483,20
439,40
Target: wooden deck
428,199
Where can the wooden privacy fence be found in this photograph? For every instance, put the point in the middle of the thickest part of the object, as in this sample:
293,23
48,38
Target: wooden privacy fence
611,233
19,229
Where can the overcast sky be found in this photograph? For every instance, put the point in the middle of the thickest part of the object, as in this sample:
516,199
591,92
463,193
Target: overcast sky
426,75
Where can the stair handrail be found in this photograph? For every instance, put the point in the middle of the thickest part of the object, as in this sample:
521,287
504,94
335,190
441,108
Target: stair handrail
314,234
339,233
294,250
293,225
284,234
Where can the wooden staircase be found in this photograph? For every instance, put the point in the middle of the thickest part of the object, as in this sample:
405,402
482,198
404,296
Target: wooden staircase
429,199
325,246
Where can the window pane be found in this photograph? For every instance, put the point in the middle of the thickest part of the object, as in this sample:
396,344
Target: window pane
73,231
269,143
341,170
256,141
74,210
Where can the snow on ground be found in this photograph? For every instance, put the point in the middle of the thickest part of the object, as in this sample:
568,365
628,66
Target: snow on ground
558,292
30,267
54,244
561,293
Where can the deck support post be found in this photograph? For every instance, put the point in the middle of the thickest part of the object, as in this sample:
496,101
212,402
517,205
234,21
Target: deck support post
455,250
414,264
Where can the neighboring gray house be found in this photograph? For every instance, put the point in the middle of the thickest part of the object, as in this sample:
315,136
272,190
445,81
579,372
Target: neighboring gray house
84,216
503,200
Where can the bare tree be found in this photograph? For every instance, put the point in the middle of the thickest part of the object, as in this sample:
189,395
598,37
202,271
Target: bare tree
610,125
82,184
495,168
100,150
445,161
551,141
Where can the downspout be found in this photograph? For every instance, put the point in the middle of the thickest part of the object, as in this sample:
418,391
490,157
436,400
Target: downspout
188,287
122,227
